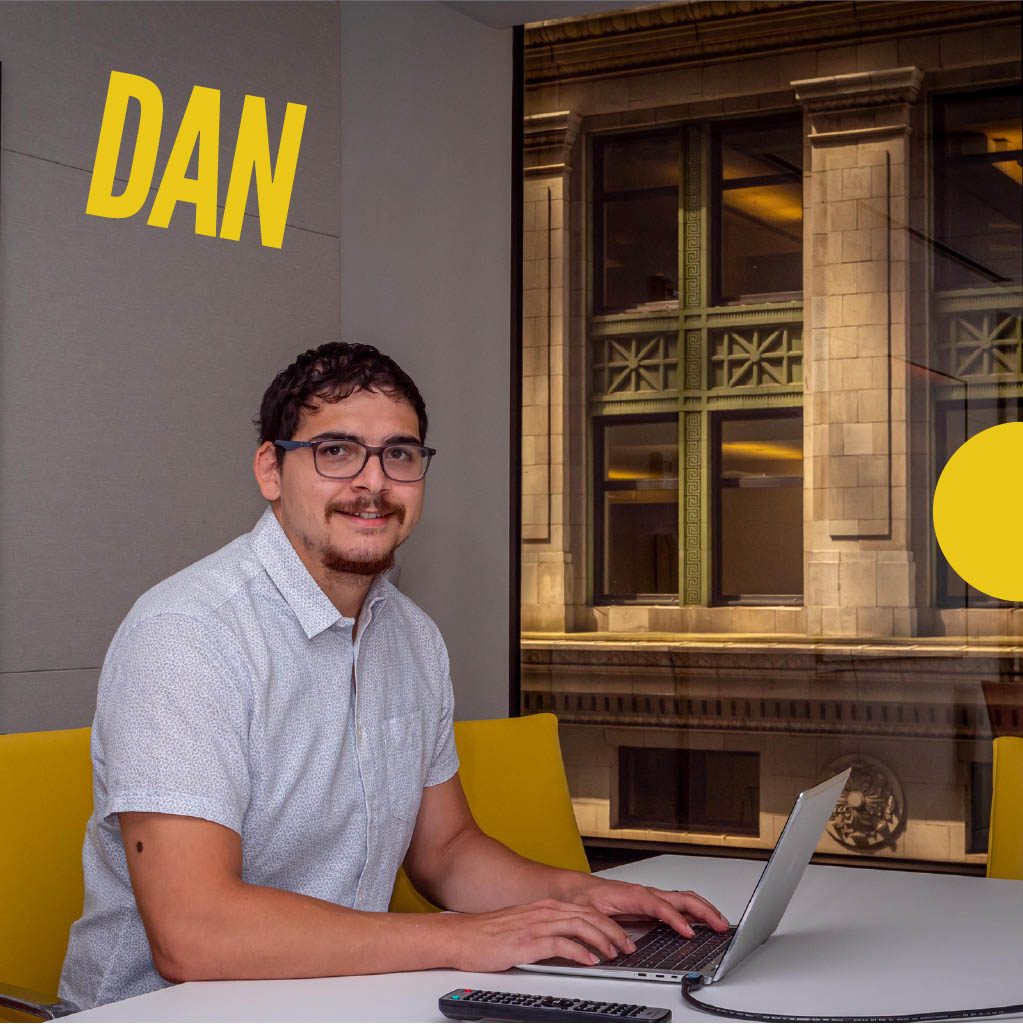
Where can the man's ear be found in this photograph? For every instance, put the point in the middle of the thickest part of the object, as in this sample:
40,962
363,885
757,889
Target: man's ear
267,471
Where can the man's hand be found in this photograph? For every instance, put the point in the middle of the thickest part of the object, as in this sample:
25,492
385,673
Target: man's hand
674,908
500,939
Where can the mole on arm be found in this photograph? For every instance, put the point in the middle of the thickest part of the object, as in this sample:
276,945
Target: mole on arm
138,846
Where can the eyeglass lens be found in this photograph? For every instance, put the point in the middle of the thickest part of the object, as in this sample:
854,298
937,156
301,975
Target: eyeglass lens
403,462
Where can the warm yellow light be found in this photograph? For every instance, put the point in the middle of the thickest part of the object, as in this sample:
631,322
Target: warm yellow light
772,204
1006,136
771,450
634,474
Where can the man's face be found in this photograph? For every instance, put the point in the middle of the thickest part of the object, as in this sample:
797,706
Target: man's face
321,516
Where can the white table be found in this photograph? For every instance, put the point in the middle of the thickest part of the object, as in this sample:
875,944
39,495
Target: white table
853,941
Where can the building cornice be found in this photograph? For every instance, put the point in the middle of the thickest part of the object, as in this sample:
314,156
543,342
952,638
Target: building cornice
548,140
677,35
859,90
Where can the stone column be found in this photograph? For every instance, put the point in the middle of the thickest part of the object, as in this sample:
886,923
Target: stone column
546,559
860,578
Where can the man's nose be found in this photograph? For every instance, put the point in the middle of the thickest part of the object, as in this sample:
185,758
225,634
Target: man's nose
372,476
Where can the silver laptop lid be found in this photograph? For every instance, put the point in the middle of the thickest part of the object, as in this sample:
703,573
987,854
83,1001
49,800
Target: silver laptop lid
785,868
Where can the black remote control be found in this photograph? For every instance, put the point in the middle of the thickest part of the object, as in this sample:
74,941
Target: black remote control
479,1004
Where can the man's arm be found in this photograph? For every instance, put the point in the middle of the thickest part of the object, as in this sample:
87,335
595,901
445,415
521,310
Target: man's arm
204,922
457,866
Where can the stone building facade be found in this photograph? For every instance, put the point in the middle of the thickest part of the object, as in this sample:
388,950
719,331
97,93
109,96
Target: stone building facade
760,312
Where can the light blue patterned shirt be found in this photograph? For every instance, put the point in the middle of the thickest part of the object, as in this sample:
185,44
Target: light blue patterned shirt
233,692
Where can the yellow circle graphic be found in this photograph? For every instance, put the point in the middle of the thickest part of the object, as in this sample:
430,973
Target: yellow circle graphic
978,504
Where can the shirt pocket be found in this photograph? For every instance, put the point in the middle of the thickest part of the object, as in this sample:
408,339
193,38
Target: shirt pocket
403,771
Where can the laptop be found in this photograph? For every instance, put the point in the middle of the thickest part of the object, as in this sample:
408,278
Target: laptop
664,955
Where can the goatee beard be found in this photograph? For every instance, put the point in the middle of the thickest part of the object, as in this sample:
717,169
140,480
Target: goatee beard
337,561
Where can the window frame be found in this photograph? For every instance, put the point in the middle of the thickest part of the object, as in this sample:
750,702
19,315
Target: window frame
937,161
716,212
600,489
597,199
718,597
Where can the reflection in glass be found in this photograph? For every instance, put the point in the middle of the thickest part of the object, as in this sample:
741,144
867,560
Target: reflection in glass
637,218
760,481
978,185
640,507
760,210
641,163
640,250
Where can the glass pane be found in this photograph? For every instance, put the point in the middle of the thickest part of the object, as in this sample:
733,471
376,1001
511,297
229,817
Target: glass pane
761,240
978,197
762,448
755,151
642,542
641,514
641,451
640,250
641,163
761,502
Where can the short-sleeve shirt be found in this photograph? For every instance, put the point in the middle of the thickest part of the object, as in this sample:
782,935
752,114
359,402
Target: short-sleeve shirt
233,691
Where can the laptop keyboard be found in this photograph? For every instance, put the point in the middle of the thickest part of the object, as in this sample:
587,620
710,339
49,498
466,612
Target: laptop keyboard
663,949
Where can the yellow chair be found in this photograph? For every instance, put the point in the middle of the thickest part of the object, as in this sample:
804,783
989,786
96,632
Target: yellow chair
46,797
1005,845
514,780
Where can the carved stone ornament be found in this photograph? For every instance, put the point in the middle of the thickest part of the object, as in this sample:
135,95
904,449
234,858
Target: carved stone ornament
871,812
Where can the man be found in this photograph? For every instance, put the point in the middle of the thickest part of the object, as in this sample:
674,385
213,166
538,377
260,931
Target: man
273,739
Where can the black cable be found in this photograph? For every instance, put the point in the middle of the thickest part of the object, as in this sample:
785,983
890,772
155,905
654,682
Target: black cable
690,985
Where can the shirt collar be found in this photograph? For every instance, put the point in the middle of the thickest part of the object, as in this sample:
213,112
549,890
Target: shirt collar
313,609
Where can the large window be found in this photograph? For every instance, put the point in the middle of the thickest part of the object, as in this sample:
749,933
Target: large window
758,474
697,276
637,520
758,168
636,222
978,213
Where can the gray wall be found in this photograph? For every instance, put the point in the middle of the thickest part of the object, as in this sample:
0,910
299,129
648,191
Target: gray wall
425,271
132,358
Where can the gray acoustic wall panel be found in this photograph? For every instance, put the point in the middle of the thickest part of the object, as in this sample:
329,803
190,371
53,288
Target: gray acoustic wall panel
132,359
425,271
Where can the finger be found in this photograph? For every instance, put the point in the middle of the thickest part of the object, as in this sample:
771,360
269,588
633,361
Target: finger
695,908
578,927
558,945
611,928
651,904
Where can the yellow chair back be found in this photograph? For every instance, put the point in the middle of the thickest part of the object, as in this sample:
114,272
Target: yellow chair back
46,800
511,770
1005,845
514,780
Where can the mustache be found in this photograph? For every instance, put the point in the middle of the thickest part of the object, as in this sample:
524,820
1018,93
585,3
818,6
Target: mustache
381,505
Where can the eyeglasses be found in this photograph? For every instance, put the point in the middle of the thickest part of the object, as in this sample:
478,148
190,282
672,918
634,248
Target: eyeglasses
344,459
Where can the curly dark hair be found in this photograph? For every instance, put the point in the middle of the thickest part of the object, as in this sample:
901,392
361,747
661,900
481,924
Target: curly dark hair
331,373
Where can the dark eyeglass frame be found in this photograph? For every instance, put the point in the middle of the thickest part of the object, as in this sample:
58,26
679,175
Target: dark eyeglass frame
367,449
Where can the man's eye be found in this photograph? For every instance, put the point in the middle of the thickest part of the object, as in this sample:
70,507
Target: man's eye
400,454
336,451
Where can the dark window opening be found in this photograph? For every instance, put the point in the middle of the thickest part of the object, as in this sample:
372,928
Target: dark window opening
689,790
978,190
636,521
758,477
636,220
758,175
